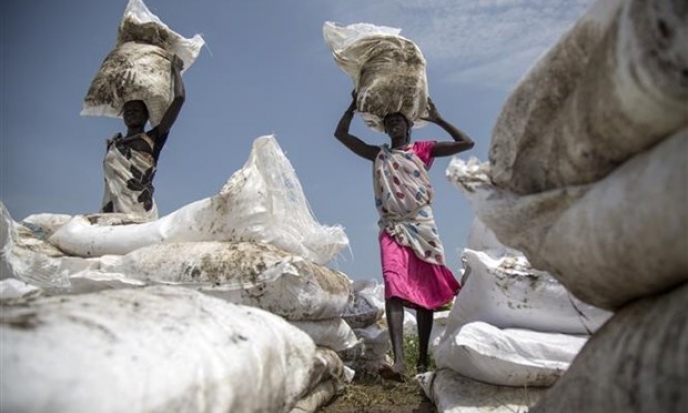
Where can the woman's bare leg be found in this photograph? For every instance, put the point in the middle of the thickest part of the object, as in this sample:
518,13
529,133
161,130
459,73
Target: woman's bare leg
394,309
425,320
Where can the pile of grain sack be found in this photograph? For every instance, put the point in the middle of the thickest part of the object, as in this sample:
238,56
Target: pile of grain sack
511,327
223,305
587,176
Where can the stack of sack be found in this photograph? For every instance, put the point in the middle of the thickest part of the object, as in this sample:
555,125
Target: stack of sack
365,314
510,325
588,177
139,67
252,251
387,71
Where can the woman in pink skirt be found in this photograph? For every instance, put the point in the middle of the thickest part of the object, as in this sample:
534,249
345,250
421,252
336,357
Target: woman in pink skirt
413,265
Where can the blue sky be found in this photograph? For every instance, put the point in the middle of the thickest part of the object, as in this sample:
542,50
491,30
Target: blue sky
265,70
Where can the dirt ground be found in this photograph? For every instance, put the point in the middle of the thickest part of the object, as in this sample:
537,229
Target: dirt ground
372,394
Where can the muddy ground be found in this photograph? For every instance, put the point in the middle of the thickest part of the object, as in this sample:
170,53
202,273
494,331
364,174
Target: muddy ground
372,394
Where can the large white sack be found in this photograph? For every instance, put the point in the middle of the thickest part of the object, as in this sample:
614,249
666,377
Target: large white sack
622,238
249,273
149,350
261,202
13,289
139,67
506,292
365,306
27,257
318,397
387,70
613,86
481,238
638,362
329,377
334,333
507,357
46,223
454,393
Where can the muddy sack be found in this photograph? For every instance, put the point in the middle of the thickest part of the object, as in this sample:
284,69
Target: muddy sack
149,350
612,87
619,239
637,362
334,333
388,71
454,393
259,275
506,292
139,67
507,357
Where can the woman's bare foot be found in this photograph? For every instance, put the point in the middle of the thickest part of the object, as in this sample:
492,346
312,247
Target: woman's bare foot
396,372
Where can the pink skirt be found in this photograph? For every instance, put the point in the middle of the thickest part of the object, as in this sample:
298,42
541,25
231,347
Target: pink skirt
414,281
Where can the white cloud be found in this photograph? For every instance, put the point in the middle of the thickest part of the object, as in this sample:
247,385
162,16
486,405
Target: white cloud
474,40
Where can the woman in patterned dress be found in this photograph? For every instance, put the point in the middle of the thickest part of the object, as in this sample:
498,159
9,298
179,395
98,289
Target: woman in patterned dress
412,256
131,161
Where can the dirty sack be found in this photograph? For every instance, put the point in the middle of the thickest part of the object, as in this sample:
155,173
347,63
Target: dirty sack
149,350
613,86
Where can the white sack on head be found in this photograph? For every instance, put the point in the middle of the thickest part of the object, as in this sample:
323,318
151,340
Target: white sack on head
613,86
261,202
151,349
139,67
622,238
388,71
638,362
507,357
507,292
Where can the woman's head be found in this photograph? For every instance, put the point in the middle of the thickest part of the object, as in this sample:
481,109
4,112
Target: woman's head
398,128
135,114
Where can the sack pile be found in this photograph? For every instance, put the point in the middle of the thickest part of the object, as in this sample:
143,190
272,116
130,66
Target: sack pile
387,70
365,314
510,325
255,259
572,181
139,67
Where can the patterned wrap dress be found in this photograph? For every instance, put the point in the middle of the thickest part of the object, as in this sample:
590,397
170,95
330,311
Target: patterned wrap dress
412,255
129,168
